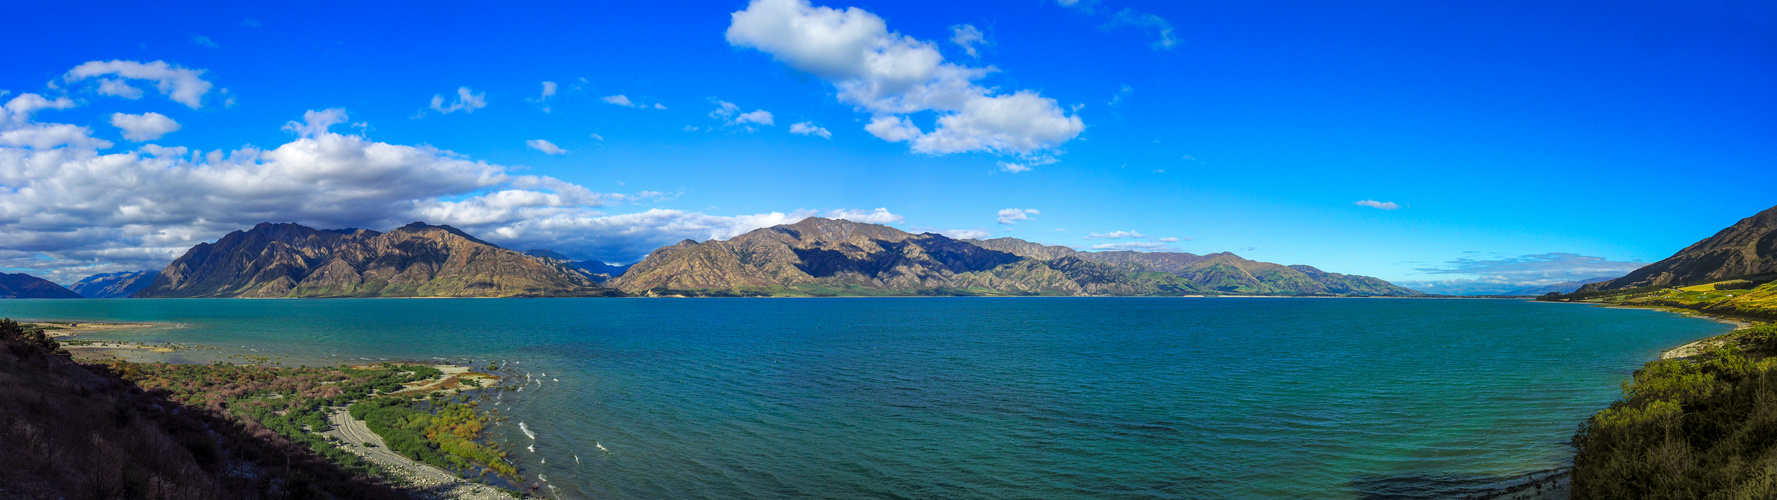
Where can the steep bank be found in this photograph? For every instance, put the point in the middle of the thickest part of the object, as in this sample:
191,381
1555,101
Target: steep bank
83,431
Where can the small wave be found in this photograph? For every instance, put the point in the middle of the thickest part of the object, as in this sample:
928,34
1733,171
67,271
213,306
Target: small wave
576,459
601,447
527,431
532,448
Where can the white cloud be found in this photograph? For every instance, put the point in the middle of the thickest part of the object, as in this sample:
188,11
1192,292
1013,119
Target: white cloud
599,138
315,123
22,107
966,234
204,41
1130,245
659,106
546,147
548,91
966,36
758,116
878,216
1163,37
891,75
619,99
1013,215
70,210
1027,164
809,128
1115,235
730,112
1168,239
118,87
1385,205
466,102
144,127
185,86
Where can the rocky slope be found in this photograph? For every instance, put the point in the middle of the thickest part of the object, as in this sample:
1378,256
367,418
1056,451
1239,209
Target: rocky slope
114,285
1747,248
416,260
836,257
25,286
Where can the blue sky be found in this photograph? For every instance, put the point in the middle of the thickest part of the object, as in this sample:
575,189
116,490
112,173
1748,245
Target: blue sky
1525,142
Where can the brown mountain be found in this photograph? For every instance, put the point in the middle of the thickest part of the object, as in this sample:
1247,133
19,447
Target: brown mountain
416,260
837,257
25,286
1216,272
1747,248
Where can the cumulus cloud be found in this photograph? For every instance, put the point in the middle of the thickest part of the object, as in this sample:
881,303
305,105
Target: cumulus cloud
1011,216
70,210
730,113
466,102
1026,164
966,234
878,216
891,75
546,147
1115,235
1385,205
967,37
185,86
22,107
619,99
1503,275
1160,27
548,91
118,87
1130,245
145,126
809,128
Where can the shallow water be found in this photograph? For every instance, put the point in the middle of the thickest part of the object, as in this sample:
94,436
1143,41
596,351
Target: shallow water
988,397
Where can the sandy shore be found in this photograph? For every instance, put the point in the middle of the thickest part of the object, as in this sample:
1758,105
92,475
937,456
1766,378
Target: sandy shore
67,328
432,482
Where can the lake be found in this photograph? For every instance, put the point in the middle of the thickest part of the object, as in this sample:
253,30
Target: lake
986,397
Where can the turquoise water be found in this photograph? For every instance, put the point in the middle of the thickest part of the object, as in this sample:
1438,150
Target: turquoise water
989,397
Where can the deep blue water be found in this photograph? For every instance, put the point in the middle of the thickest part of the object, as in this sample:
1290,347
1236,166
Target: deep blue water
989,397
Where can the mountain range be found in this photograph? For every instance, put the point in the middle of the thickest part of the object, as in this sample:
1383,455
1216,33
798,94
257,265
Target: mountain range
820,256
813,257
25,286
114,285
1747,248
416,260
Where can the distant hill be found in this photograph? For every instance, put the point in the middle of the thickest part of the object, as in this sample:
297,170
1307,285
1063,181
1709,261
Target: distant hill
25,286
1747,248
820,256
416,260
114,285
1563,287
596,271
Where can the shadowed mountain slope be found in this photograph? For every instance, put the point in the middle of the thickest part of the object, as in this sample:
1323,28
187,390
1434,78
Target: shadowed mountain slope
114,285
25,286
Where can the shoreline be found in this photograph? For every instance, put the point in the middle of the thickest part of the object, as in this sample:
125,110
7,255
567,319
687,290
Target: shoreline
423,480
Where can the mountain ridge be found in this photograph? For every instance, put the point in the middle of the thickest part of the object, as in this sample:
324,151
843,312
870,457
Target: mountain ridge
416,260
1746,248
25,286
819,256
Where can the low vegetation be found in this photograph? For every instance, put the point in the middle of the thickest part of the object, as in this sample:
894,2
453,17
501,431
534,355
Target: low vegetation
1704,427
118,429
